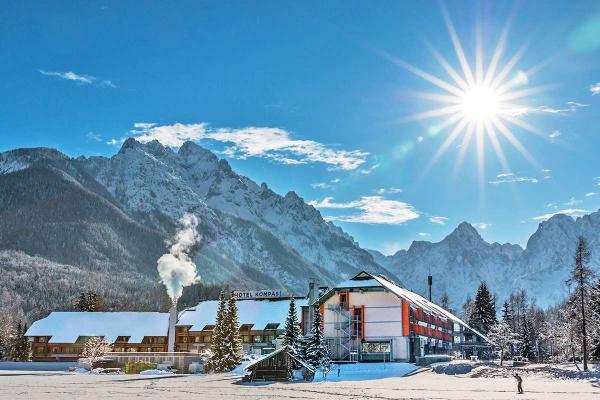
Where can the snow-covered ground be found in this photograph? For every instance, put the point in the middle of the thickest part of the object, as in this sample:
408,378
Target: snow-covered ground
365,371
421,386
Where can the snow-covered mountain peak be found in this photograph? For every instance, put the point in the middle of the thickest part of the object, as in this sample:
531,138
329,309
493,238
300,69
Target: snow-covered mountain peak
464,232
129,144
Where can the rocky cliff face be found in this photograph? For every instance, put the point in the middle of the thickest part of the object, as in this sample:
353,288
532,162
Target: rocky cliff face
252,237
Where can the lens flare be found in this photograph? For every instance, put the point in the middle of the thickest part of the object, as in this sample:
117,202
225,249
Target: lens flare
477,104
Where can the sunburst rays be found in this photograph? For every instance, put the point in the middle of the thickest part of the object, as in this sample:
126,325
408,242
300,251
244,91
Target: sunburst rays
479,102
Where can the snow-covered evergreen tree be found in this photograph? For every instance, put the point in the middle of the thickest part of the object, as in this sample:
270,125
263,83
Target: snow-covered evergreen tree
506,314
317,350
292,334
89,301
525,338
217,344
483,315
232,343
503,338
20,346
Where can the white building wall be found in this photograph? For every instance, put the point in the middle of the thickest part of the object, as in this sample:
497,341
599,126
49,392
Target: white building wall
382,319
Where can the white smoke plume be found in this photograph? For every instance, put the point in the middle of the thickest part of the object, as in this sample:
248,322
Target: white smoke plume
175,268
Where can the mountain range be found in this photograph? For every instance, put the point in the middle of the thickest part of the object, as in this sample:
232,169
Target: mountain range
106,220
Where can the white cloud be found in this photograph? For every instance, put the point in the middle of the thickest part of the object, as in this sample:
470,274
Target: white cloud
512,178
546,173
554,135
438,220
107,83
93,136
325,185
573,212
370,210
595,88
572,201
116,142
482,225
370,169
597,181
391,190
569,108
424,234
78,78
590,194
273,143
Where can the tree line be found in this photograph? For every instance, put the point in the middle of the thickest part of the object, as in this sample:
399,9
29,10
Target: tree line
569,331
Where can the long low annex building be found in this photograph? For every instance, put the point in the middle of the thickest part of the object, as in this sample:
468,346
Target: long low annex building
260,321
370,318
61,335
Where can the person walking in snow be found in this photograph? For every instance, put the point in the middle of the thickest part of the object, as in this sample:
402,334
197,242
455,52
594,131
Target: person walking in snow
519,383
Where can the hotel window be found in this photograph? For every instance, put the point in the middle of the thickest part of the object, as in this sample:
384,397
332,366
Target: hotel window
245,339
207,339
344,300
257,339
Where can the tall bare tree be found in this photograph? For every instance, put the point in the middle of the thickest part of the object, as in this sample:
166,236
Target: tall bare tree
581,276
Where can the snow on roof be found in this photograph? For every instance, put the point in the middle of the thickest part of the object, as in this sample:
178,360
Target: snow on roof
376,281
358,283
66,327
290,351
258,313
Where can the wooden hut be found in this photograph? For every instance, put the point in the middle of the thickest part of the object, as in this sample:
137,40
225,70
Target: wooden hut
280,365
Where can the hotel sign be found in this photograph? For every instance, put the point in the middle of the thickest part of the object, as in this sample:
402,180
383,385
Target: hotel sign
258,294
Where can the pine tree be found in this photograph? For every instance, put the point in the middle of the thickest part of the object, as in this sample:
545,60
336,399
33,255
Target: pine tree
581,276
20,348
89,301
506,314
291,334
217,350
483,316
526,344
232,343
317,350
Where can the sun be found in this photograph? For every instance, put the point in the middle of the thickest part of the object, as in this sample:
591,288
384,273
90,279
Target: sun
479,103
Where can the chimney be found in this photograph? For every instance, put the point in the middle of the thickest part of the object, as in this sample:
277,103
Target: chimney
172,322
429,282
312,294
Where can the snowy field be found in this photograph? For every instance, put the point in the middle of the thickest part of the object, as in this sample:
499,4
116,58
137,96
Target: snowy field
421,385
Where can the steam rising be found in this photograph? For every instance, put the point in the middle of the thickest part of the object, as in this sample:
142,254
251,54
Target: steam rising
175,268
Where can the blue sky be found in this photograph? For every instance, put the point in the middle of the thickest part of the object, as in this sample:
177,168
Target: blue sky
319,97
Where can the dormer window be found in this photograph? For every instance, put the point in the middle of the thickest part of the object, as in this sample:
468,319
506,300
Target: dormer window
271,326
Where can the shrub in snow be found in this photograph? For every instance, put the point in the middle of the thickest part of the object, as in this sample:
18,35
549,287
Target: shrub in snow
94,349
